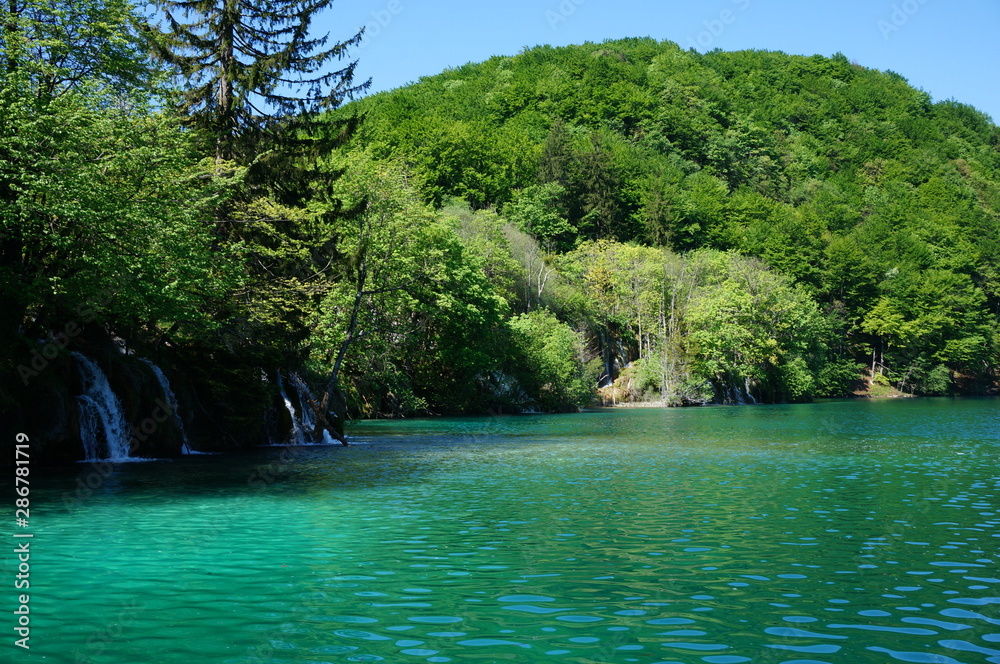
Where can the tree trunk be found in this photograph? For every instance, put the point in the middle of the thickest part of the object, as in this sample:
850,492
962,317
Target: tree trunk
323,422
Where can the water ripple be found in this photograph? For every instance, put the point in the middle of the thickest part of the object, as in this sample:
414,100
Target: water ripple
845,532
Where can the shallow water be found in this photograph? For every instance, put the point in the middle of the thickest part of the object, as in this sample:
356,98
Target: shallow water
833,532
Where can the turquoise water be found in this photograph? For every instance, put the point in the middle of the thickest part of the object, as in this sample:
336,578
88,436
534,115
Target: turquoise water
835,532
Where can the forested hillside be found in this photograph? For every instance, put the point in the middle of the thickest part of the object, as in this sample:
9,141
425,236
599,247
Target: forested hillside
858,219
507,236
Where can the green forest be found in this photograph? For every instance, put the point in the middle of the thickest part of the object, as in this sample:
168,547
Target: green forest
599,223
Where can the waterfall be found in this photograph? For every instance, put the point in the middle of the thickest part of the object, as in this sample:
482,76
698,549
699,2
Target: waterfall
172,400
308,417
89,421
303,419
731,393
296,426
101,415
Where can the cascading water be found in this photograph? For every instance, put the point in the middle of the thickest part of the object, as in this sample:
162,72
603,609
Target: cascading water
303,419
172,400
90,420
102,419
297,434
307,419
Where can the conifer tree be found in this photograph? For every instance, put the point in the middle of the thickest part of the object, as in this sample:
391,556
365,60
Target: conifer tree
255,84
251,66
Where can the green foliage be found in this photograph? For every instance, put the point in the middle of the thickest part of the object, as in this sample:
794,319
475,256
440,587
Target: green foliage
400,320
754,331
238,58
937,380
837,376
922,376
882,388
485,236
539,210
880,203
725,227
936,313
56,46
107,228
550,354
706,318
90,215
642,378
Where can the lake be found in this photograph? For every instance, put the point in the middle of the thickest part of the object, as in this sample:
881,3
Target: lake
834,532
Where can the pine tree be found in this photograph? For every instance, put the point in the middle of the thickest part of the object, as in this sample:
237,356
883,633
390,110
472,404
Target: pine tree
556,164
251,67
602,214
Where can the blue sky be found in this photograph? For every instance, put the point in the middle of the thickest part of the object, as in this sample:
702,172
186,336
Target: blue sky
949,48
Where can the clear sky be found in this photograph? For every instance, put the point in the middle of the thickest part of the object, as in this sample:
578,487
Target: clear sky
949,48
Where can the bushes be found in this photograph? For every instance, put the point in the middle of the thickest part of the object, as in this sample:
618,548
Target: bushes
549,355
